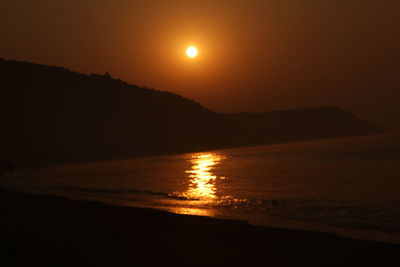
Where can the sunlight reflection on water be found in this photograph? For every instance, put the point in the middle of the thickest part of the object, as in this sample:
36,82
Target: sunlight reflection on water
193,211
203,191
202,185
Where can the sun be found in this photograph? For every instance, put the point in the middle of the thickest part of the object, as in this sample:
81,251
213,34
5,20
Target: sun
192,51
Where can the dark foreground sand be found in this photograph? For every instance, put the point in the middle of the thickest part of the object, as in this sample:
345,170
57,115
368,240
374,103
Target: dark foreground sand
54,231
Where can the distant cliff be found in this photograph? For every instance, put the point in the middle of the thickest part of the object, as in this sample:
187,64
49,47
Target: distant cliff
302,124
53,115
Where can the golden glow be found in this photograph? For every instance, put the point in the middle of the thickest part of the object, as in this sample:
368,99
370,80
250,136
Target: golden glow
202,192
191,51
202,179
193,211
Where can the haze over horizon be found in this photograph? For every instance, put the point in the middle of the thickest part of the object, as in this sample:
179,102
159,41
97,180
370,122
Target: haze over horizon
253,55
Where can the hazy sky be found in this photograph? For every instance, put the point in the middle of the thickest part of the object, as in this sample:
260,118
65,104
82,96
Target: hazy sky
253,55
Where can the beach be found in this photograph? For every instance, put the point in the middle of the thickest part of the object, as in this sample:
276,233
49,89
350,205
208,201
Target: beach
56,231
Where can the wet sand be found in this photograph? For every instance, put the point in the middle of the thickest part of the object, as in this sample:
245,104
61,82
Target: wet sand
55,231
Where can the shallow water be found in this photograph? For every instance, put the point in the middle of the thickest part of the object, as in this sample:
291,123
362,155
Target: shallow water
349,186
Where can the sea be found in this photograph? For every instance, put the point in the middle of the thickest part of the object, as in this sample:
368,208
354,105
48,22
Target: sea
347,186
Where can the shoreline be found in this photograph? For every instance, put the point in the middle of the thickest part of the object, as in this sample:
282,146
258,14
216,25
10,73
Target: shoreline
47,164
42,230
258,220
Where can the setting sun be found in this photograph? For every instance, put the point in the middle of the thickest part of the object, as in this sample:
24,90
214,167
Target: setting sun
191,52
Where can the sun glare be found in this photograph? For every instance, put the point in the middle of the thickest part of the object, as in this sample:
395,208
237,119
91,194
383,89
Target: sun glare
191,52
203,179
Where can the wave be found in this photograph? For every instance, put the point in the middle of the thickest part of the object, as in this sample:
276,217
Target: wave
385,218
116,191
335,213
384,154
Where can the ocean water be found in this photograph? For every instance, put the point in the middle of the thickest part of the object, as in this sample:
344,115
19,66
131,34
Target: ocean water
349,186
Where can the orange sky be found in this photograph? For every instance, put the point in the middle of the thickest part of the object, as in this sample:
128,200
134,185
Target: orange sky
253,55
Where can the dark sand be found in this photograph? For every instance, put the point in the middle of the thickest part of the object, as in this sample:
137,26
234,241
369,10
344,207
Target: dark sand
55,231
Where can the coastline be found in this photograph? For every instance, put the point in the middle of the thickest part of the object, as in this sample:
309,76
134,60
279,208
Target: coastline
56,231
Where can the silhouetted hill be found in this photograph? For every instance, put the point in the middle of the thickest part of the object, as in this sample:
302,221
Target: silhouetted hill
302,124
52,115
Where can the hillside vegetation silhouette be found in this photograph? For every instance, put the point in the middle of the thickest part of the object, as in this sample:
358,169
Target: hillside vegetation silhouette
51,115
